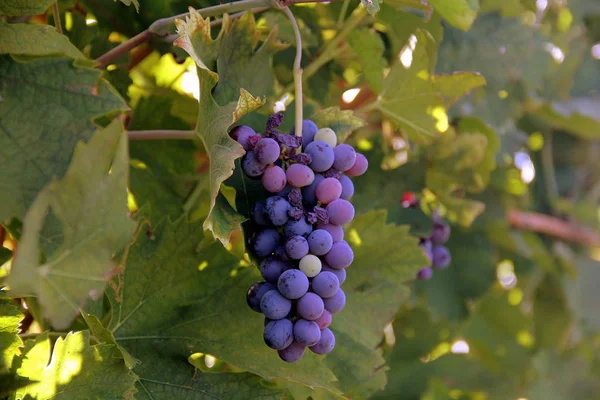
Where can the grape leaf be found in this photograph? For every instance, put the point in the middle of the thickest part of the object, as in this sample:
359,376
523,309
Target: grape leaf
35,40
24,7
10,342
454,86
128,3
183,296
372,6
368,47
463,158
409,96
213,124
104,335
44,98
459,13
76,368
35,356
565,376
91,205
583,296
343,122
578,116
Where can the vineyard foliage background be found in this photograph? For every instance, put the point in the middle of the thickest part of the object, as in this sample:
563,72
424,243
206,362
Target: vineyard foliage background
123,266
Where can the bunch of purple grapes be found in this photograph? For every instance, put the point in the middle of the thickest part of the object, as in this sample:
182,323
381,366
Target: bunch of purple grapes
297,232
438,254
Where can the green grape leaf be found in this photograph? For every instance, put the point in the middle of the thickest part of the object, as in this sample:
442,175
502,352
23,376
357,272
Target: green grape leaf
231,54
35,356
105,336
471,273
578,116
163,172
214,120
583,296
454,86
24,7
82,370
461,210
566,376
463,158
368,47
193,295
44,98
507,8
343,122
459,13
35,40
551,314
372,6
91,205
399,33
495,331
10,342
286,30
409,96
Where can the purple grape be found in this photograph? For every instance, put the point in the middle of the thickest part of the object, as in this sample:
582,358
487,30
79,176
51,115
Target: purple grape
427,249
347,187
267,151
336,302
321,154
241,134
309,130
279,334
425,274
299,175
340,256
325,344
256,292
274,179
345,157
297,228
326,284
319,242
329,190
324,320
309,193
258,214
265,242
340,273
271,268
286,190
276,209
310,306
336,231
306,332
440,257
292,353
274,305
293,284
440,232
251,166
296,247
360,166
340,212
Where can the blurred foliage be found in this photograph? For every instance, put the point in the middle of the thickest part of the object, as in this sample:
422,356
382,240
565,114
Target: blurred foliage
477,107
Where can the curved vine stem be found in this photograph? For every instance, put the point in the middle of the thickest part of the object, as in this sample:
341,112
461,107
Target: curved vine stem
297,72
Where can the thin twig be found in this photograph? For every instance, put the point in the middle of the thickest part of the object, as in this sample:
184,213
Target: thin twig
297,72
34,335
549,172
161,135
124,48
555,227
343,13
57,21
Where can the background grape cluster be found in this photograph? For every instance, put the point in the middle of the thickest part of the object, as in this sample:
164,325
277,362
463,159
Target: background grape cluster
438,254
297,234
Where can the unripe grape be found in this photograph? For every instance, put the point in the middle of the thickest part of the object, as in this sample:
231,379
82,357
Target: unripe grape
327,135
310,265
